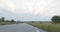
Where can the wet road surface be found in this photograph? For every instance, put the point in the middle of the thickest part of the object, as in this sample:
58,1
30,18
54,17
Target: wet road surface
19,28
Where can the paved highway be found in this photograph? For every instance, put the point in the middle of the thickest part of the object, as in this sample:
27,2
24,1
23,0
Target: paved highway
19,28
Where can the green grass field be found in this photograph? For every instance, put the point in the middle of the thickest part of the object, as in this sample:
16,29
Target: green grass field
47,26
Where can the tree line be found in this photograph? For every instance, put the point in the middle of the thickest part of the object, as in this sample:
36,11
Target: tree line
2,19
54,19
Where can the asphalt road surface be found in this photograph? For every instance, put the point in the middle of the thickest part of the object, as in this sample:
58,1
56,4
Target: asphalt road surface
19,28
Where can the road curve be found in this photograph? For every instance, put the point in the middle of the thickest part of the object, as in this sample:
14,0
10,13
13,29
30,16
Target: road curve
19,28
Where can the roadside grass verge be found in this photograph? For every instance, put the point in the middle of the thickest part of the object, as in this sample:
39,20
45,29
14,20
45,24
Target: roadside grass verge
47,26
6,23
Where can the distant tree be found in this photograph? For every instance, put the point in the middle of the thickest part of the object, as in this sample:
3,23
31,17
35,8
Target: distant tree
7,20
56,19
2,19
12,20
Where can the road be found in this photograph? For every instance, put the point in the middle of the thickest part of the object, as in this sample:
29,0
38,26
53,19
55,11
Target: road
19,28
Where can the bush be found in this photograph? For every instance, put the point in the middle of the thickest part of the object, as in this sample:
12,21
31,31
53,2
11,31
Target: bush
12,20
56,19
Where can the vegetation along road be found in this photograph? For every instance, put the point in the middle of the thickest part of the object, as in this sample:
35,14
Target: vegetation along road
47,26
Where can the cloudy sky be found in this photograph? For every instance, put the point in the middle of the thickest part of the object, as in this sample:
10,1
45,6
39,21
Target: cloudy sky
33,10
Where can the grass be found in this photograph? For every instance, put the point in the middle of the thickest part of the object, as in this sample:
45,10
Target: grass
6,23
47,26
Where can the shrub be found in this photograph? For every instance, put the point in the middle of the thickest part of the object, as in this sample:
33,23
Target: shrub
56,19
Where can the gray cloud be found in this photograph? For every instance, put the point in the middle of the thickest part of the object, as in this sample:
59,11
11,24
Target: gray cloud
38,7
29,9
35,7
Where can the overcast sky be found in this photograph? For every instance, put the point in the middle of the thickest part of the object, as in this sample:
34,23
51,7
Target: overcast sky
34,10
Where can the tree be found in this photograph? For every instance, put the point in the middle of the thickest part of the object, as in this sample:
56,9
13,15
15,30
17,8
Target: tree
12,20
7,21
2,19
56,19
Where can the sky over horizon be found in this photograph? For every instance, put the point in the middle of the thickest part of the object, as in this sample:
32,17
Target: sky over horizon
29,10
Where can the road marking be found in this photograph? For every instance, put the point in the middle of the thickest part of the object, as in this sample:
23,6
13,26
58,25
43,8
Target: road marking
37,30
